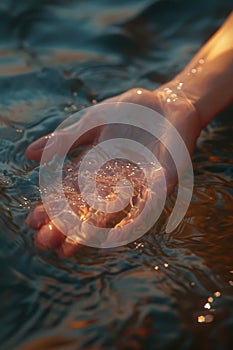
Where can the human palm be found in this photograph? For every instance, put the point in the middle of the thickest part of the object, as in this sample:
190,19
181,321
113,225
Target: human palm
165,100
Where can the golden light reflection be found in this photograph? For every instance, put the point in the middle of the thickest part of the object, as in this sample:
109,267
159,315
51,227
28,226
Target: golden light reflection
201,319
205,319
201,61
179,86
47,137
207,306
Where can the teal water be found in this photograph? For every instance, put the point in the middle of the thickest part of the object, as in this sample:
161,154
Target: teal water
163,291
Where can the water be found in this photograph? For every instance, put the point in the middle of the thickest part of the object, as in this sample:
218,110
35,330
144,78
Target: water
163,291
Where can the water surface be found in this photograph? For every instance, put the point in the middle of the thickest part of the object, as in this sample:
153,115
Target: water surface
163,291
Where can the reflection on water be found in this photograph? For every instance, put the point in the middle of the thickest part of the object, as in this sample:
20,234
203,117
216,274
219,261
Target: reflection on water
164,290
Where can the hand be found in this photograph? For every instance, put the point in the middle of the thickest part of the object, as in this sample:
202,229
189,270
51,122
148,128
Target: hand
166,100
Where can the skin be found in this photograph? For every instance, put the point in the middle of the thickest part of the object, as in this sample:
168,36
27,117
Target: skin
189,101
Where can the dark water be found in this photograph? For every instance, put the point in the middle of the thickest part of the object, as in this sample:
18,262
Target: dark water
164,291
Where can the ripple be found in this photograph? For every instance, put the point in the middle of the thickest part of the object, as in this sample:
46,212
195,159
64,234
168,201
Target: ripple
164,290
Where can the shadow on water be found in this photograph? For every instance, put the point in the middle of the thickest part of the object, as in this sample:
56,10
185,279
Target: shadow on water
164,290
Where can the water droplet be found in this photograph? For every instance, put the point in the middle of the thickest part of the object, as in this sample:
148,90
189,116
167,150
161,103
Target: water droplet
207,306
201,319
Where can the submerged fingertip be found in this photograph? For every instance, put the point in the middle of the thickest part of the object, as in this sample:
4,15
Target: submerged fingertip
33,155
67,249
37,217
50,236
35,149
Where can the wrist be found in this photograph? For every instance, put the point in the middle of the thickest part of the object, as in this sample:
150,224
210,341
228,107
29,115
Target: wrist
179,104
208,85
179,110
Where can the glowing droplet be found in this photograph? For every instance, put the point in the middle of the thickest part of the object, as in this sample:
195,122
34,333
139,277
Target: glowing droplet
201,319
207,306
50,227
179,86
156,268
49,136
168,91
74,108
201,61
210,299
139,92
217,294
165,265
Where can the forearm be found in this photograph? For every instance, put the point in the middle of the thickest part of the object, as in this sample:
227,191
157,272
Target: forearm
207,81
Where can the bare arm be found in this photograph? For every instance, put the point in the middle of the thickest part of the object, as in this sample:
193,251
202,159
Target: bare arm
208,78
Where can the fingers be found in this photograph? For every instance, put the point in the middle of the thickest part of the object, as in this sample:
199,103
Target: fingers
58,140
35,150
37,218
57,143
63,137
49,237
67,249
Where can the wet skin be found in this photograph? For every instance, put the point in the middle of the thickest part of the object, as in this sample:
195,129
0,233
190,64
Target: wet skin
179,112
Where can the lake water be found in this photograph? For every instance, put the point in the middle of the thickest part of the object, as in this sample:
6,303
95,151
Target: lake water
163,291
